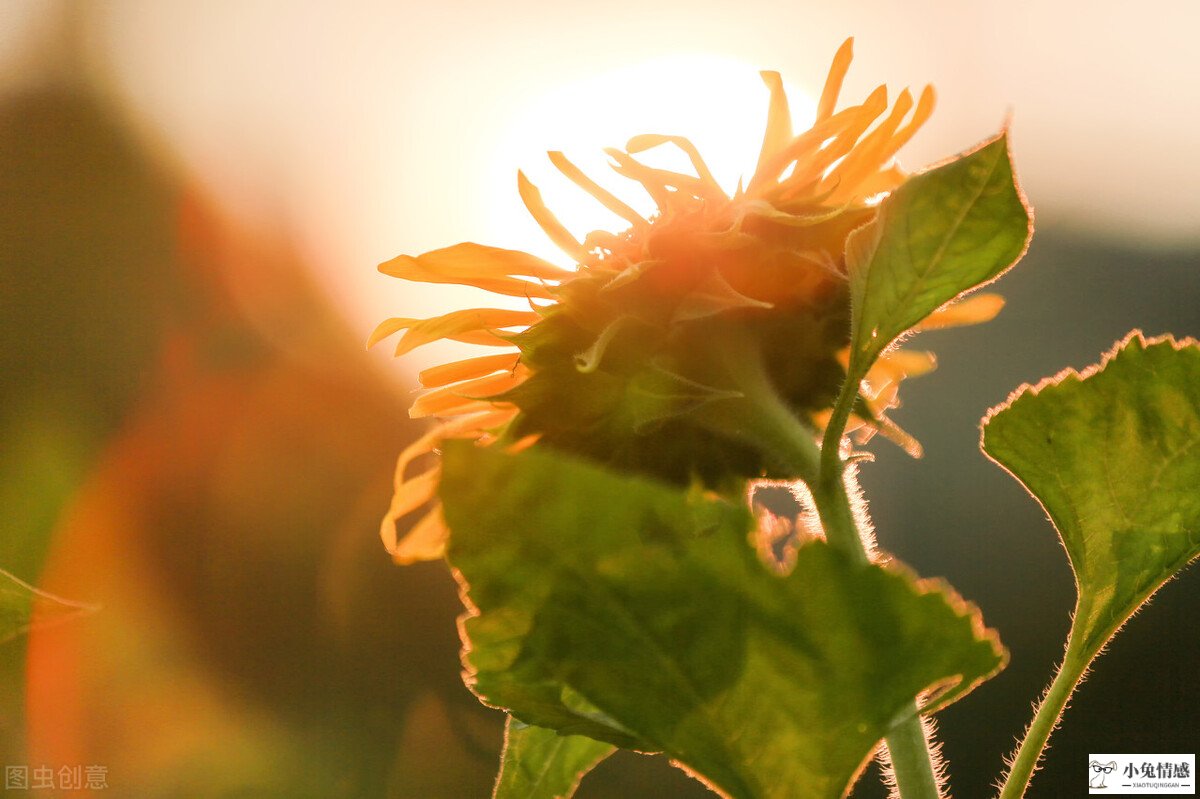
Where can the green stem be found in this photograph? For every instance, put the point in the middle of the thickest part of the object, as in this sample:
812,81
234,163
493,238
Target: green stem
759,416
831,455
912,763
1046,718
837,516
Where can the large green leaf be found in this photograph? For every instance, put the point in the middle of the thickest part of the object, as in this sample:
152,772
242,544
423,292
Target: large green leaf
628,611
943,233
23,607
1113,455
541,764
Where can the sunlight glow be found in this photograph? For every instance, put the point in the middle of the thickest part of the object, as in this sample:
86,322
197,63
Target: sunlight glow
718,103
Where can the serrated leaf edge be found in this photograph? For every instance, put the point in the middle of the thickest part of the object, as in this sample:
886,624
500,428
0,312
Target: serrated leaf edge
1022,197
946,691
1065,375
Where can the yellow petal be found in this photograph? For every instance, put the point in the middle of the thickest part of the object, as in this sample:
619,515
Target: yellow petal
833,83
900,437
449,373
425,541
467,426
523,443
867,156
647,140
475,326
779,121
861,119
509,286
388,327
411,495
971,311
658,182
921,115
444,401
469,262
804,145
457,406
897,365
547,221
884,181
605,197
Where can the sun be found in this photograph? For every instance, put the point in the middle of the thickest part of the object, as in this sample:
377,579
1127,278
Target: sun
718,102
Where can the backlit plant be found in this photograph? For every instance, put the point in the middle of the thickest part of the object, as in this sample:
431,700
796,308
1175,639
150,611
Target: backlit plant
621,590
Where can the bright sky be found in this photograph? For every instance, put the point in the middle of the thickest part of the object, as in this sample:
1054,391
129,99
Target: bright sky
381,128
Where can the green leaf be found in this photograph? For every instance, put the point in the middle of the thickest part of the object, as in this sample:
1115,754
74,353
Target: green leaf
541,764
941,234
1113,455
634,613
23,607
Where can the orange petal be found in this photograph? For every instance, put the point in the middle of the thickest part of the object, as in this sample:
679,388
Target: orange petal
900,437
425,541
475,325
547,221
647,140
444,401
897,365
603,195
658,182
467,426
449,373
884,181
859,120
779,121
803,145
921,115
411,495
833,83
523,443
867,156
971,311
471,260
456,406
408,269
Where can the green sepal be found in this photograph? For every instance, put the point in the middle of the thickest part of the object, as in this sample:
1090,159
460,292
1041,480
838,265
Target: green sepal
711,296
656,394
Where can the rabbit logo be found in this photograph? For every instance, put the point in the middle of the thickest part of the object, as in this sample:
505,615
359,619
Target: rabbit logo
1099,771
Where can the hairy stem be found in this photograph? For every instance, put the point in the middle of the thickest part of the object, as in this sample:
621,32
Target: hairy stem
1045,720
912,763
761,417
837,515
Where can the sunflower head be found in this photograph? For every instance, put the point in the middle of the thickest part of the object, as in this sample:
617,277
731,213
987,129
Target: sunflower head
663,347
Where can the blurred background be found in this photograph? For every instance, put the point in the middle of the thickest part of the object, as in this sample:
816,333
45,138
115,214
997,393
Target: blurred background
193,198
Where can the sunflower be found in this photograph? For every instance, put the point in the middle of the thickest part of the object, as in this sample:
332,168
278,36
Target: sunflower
651,354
